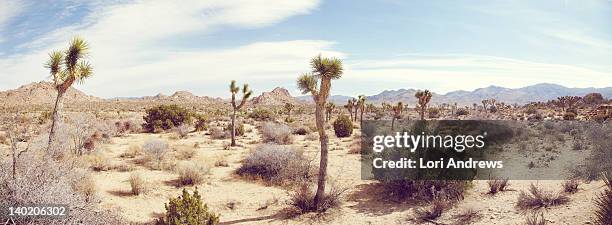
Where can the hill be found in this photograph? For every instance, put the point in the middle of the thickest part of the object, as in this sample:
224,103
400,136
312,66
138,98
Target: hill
42,93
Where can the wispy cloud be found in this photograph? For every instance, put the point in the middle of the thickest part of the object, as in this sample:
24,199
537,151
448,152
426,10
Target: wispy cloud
9,9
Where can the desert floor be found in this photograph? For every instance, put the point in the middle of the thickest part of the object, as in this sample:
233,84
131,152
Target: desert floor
243,201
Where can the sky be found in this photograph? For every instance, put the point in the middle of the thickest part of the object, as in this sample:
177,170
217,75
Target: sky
140,48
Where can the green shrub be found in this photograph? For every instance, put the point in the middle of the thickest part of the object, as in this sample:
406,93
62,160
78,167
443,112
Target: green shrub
165,117
433,112
201,122
239,129
188,209
462,112
343,126
262,114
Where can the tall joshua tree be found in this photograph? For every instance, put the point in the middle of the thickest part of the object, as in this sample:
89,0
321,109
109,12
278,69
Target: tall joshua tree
361,104
329,108
397,113
318,84
66,67
289,107
246,93
423,97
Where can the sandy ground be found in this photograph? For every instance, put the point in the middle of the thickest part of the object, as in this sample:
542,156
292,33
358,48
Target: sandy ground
363,203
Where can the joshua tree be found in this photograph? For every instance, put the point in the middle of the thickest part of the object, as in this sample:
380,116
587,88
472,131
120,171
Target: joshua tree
568,102
246,93
370,108
289,107
423,98
329,108
385,106
66,67
361,104
318,83
350,105
397,113
485,102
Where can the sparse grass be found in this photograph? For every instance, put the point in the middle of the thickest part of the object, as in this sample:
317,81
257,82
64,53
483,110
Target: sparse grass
302,198
535,219
191,173
98,162
466,217
137,183
538,198
431,212
497,185
132,152
570,186
221,161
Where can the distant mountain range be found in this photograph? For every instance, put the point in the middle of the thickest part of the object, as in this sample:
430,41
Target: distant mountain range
533,93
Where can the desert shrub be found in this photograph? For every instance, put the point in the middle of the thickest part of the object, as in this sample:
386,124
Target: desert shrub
137,183
433,112
603,202
276,133
182,131
355,147
165,117
531,110
261,114
218,133
132,152
239,129
86,186
155,151
221,161
98,162
191,173
277,164
462,112
538,198
600,136
188,209
343,126
497,185
300,131
535,219
185,152
302,198
201,122
124,127
569,116
432,212
312,137
570,186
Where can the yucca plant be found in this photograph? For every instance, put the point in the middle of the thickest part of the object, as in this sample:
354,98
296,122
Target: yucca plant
246,93
603,202
67,67
423,98
318,84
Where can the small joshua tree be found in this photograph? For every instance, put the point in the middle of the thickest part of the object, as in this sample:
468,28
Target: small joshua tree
318,84
361,104
350,105
246,93
329,108
397,113
423,98
568,102
288,108
66,67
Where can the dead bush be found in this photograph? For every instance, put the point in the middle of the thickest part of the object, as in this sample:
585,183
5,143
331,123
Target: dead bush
218,133
155,151
355,147
191,173
277,164
87,186
425,190
538,198
302,198
497,185
137,183
182,131
221,161
570,186
276,133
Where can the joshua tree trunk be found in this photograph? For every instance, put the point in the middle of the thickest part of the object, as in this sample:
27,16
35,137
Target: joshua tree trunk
392,123
423,112
323,139
361,118
57,117
233,135
356,110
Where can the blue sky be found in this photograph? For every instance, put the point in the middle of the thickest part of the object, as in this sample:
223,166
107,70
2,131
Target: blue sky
147,47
